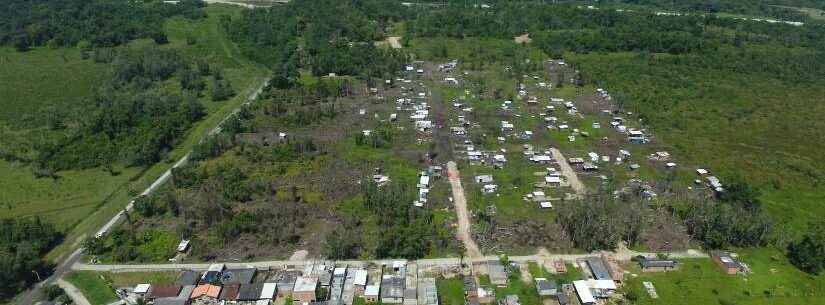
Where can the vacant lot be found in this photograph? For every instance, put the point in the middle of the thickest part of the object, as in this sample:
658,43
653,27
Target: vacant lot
96,289
701,281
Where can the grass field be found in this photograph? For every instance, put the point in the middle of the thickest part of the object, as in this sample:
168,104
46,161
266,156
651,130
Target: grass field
701,281
96,289
42,77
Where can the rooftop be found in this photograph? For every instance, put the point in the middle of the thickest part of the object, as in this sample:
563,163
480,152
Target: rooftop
305,284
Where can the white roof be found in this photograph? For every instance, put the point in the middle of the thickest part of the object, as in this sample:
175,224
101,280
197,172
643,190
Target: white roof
584,292
183,245
268,292
360,277
305,284
142,288
552,179
371,290
601,284
545,205
340,271
538,158
425,180
701,171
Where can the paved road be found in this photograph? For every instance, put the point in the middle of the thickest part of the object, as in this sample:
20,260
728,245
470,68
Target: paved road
460,202
568,172
73,293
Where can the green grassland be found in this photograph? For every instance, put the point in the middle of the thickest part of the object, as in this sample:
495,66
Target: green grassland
701,281
97,290
43,77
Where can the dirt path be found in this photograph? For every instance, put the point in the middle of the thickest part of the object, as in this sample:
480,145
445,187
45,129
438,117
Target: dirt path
74,293
461,210
568,172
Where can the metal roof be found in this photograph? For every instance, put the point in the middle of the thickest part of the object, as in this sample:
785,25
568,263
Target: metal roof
598,268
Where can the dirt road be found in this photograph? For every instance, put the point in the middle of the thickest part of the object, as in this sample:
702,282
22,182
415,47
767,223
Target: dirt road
461,210
568,172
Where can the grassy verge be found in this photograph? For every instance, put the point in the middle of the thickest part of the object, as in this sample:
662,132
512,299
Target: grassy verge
93,286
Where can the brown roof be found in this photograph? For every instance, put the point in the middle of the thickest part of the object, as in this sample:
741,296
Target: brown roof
166,291
211,291
230,292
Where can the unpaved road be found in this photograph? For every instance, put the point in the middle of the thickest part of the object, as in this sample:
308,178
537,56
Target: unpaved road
542,256
568,172
461,210
73,293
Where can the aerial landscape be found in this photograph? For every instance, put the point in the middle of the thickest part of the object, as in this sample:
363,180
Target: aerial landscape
452,152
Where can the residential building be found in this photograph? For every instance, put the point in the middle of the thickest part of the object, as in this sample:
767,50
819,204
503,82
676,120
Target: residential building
598,268
657,265
304,290
163,291
392,289
583,292
726,260
206,291
546,287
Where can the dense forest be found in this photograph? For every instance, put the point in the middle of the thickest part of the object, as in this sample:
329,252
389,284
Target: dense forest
132,119
320,36
98,23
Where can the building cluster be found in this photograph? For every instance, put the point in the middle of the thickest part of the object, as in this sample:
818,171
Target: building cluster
321,283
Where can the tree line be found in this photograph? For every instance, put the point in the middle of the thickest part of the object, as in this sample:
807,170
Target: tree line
98,23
